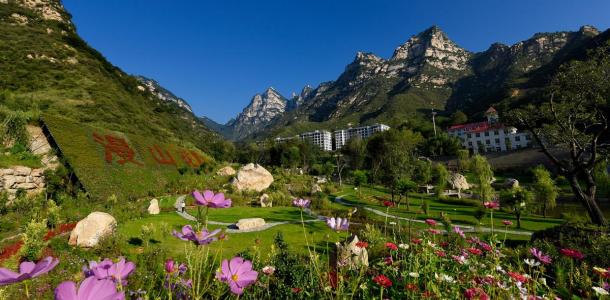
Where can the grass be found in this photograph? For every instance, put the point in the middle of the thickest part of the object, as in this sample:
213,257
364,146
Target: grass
10,160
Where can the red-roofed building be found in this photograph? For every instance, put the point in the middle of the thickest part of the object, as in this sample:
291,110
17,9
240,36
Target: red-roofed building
490,135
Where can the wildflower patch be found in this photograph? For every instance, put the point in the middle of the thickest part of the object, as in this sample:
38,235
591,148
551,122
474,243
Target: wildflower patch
109,162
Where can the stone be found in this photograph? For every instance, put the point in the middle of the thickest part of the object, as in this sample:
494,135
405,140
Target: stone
90,230
29,179
153,208
250,223
458,181
252,177
9,181
20,179
349,255
22,171
26,186
511,183
321,179
8,172
315,189
226,171
265,201
37,172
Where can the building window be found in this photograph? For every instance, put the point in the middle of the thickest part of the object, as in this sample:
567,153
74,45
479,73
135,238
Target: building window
469,135
486,133
498,149
517,138
478,135
496,132
487,142
497,141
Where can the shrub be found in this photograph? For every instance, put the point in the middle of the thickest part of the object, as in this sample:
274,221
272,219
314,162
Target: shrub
53,214
33,239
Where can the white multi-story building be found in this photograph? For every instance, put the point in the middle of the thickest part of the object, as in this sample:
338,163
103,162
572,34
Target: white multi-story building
490,136
343,135
321,138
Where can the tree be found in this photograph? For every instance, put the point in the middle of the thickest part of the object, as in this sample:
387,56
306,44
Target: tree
392,154
341,163
441,175
355,153
458,117
442,145
404,187
423,171
572,116
483,175
463,160
517,200
544,188
360,178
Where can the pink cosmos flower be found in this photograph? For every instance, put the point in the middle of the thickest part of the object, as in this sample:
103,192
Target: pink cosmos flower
338,224
211,200
237,273
459,231
416,241
507,223
301,203
485,246
431,222
90,289
545,259
172,267
440,253
107,269
573,253
27,270
459,259
434,231
491,204
476,293
202,237
269,270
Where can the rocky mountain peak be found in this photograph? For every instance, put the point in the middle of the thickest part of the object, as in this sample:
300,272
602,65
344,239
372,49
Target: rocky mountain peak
588,29
161,93
47,9
263,108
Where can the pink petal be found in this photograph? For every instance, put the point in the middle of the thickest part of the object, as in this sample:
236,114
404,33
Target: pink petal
92,289
208,195
247,278
235,289
66,291
199,198
7,276
26,267
234,264
218,198
246,266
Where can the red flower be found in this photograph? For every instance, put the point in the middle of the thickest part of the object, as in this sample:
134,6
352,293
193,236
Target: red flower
518,277
362,244
391,246
485,246
296,290
441,253
383,281
388,260
507,223
430,222
476,293
573,253
474,251
411,287
388,203
491,204
444,244
434,231
416,241
427,294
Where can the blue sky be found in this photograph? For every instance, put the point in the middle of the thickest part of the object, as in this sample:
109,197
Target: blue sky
218,54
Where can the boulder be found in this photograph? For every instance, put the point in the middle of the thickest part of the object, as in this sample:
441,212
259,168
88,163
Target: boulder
511,183
153,208
458,181
91,229
315,189
250,223
252,177
349,255
265,201
226,171
22,171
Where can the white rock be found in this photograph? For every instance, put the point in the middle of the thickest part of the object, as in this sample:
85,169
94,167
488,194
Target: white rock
316,189
252,177
37,172
458,181
26,186
265,201
351,256
245,224
226,171
8,171
153,208
91,229
22,171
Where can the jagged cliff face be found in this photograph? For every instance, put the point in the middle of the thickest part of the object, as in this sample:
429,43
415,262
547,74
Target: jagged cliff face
161,93
262,110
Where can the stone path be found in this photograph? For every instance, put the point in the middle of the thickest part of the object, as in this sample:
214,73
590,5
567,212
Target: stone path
231,226
466,228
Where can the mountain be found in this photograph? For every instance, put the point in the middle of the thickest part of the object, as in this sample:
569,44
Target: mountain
263,109
163,94
46,67
429,71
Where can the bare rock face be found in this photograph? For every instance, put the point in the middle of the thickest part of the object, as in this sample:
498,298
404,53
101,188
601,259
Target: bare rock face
265,201
252,177
226,171
349,255
153,208
260,112
250,223
91,229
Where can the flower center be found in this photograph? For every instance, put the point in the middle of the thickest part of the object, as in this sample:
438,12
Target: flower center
234,277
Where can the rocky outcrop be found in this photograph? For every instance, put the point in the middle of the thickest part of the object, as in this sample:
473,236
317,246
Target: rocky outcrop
21,178
161,93
39,145
250,223
90,230
252,177
153,207
262,110
226,171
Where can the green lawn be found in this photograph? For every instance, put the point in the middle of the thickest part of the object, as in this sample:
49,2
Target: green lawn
458,213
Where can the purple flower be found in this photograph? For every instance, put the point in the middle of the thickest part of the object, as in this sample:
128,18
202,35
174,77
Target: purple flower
90,289
202,237
107,269
301,203
27,270
211,200
172,267
237,273
459,231
338,224
545,259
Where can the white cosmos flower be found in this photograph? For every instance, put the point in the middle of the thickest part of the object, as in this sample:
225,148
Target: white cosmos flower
600,291
531,262
448,278
414,274
403,246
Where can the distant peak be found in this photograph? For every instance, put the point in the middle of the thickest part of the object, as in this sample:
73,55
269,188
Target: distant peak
588,29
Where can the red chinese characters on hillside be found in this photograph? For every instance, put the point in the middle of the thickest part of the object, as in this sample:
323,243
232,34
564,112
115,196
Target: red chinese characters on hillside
119,147
116,146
